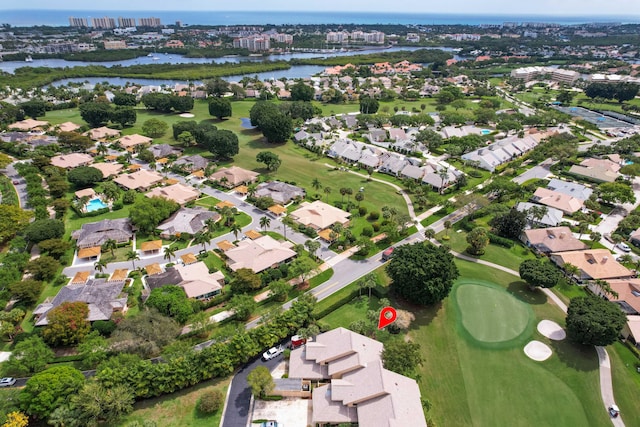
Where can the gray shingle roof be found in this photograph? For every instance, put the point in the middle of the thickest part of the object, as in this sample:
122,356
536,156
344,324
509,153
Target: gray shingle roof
97,233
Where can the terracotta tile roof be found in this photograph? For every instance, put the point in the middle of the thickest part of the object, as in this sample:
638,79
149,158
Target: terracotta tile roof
119,275
81,277
224,203
253,234
87,192
242,189
153,269
225,245
277,209
326,235
593,264
89,252
134,167
153,245
188,258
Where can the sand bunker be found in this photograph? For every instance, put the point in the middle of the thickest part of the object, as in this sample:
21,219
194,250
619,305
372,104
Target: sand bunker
537,351
187,115
551,330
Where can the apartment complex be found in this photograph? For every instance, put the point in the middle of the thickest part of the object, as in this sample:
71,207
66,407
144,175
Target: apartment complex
376,37
253,43
104,23
78,22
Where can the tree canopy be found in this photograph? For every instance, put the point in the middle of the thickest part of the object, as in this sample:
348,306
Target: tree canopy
171,301
84,176
68,324
594,321
13,220
146,214
154,128
221,143
538,273
270,159
301,91
49,389
29,356
220,107
144,334
44,229
402,357
95,113
260,381
422,272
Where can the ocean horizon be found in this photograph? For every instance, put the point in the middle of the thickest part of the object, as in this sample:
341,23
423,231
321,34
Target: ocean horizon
29,18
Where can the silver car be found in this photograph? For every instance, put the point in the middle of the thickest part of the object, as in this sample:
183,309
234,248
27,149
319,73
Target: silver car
7,382
272,352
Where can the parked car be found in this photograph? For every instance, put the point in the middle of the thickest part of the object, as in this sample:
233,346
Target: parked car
623,247
271,424
614,411
386,255
7,382
297,341
272,352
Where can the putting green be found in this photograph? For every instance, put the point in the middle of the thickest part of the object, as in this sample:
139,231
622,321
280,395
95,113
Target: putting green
491,315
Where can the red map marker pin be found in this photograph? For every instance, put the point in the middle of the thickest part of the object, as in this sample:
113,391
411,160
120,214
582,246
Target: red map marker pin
387,316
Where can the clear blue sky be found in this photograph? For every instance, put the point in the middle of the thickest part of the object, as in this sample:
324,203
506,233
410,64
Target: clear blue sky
507,7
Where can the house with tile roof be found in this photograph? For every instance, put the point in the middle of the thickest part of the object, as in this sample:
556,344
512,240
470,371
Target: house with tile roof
178,193
140,180
102,297
280,192
194,278
597,170
593,264
259,254
71,160
186,220
234,176
359,390
565,203
97,233
192,163
320,215
570,188
135,140
101,133
553,239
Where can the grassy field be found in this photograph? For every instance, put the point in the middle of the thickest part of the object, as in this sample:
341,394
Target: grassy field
486,379
626,378
510,258
179,409
469,385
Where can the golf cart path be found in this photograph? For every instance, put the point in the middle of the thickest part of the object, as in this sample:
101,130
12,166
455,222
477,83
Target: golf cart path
606,384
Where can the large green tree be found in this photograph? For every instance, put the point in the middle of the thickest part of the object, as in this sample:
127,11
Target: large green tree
301,91
34,108
84,176
44,267
243,305
276,126
95,113
478,239
509,224
29,356
68,324
220,107
422,272
74,141
49,389
144,334
171,301
270,159
616,192
402,357
245,280
539,273
260,381
594,321
221,143
26,291
13,220
154,128
369,105
124,116
44,229
146,214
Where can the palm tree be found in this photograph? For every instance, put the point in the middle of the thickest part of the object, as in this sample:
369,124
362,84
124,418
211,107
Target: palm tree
583,227
251,189
570,270
211,224
626,259
202,238
447,227
359,197
133,257
443,174
343,191
606,288
226,214
235,229
169,252
265,222
312,246
316,184
110,245
429,233
100,265
595,237
327,191
349,192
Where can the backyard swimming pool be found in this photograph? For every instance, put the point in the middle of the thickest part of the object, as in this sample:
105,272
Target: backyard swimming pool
485,131
95,204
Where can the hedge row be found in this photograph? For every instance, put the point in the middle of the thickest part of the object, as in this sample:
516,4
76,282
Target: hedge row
500,241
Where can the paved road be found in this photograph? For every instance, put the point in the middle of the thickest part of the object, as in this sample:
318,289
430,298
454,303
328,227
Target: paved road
21,186
236,411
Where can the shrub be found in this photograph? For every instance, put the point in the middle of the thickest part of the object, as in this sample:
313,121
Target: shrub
117,205
500,241
367,231
373,216
104,327
210,402
362,210
376,226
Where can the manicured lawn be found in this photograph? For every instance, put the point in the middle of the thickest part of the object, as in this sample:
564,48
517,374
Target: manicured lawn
349,313
626,383
510,258
179,409
468,384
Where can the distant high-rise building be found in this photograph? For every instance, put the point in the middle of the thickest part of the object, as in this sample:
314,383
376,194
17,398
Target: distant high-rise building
150,22
179,24
78,22
126,22
105,23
